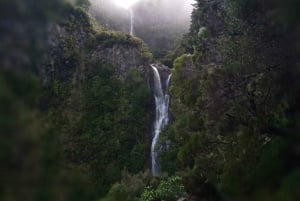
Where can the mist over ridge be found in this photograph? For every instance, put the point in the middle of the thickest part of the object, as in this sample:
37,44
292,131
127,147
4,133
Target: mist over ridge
160,23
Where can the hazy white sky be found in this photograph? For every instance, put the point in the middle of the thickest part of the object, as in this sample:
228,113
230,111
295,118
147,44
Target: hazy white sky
167,13
125,3
158,22
168,5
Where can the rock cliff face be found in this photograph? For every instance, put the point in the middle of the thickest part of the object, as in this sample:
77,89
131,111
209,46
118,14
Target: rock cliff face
123,57
77,42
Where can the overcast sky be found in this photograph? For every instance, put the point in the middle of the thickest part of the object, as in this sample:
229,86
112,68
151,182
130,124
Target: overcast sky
175,12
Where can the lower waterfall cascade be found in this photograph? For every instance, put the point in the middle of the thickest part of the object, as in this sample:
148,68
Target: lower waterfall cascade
162,101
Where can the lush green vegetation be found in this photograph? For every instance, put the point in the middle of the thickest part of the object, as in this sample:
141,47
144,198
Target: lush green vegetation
74,126
236,119
169,189
102,116
70,136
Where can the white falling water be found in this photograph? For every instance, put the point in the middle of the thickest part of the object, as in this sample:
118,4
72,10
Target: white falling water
162,99
131,21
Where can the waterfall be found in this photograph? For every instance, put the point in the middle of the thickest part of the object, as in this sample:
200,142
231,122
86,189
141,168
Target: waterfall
131,21
162,99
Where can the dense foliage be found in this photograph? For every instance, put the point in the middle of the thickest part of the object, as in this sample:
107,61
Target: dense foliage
75,107
236,102
101,115
168,190
69,123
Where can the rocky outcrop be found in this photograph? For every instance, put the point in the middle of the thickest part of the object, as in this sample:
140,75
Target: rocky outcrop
122,57
77,45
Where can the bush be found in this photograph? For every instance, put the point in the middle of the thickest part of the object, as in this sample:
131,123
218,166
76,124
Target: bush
168,190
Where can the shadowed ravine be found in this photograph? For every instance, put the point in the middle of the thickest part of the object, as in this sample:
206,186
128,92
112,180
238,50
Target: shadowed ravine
162,99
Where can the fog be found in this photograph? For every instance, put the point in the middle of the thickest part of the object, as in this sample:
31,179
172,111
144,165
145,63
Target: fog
160,23
174,12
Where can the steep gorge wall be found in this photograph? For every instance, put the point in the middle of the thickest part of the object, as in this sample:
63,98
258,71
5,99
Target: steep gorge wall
71,136
230,101
97,94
